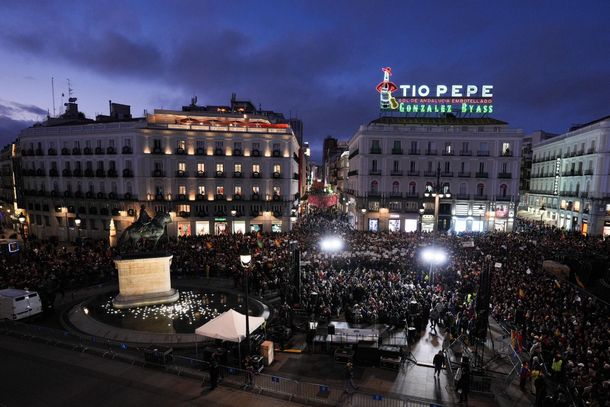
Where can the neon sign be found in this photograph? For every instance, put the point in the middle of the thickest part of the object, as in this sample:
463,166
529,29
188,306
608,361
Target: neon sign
434,99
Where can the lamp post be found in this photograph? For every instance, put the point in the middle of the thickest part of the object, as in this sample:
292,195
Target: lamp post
542,210
437,193
480,215
363,210
233,214
21,218
245,258
65,209
421,219
77,221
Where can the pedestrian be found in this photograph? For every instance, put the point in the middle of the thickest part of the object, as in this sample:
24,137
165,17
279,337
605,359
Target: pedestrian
214,370
524,374
463,386
438,362
350,387
540,385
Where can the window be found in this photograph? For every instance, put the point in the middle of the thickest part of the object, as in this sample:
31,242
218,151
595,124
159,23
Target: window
237,190
181,144
375,146
237,145
220,167
157,144
99,143
237,167
412,166
397,146
128,164
200,144
503,189
506,148
395,187
256,189
218,144
182,190
462,167
481,167
374,165
480,189
181,166
200,167
395,166
277,168
276,191
464,146
112,165
256,168
447,167
504,168
374,186
448,149
220,190
256,146
276,146
158,166
127,142
413,146
412,187
201,190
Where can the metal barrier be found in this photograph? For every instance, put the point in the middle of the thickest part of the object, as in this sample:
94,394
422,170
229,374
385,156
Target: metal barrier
199,369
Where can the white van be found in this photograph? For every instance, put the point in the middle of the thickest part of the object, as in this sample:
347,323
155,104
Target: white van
18,304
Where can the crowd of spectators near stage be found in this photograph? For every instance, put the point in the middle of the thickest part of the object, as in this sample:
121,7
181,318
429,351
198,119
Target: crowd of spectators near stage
380,278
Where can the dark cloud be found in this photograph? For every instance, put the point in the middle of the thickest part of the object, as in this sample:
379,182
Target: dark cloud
14,109
10,129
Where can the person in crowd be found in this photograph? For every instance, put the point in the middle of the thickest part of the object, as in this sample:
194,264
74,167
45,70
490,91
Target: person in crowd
439,362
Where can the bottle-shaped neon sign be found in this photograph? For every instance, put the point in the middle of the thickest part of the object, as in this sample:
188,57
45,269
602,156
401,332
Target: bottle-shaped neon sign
385,89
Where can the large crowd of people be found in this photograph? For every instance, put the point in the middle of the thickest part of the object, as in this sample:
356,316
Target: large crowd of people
380,278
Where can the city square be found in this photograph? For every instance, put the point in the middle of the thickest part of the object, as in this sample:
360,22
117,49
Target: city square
423,242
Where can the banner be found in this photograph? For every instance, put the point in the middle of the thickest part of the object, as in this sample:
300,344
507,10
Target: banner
323,201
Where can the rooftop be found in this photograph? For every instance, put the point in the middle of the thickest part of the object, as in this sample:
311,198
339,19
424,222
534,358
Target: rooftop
438,121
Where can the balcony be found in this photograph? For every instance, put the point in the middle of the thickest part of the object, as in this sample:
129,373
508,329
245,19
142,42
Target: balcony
39,151
584,194
52,151
127,173
53,172
237,197
255,197
99,151
572,173
129,196
256,174
67,172
465,174
374,150
375,172
200,197
505,175
374,193
112,173
506,153
200,151
127,150
413,173
429,173
181,197
448,153
65,151
431,152
503,198
588,172
180,151
237,174
89,195
159,197
237,152
219,197
78,194
157,150
200,174
100,173
40,172
464,197
76,151
277,175
158,173
219,174
397,151
256,153
181,174
591,151
276,197
218,151
68,194
481,175
396,173
353,154
482,153
88,151
413,152
77,172
110,150
276,153
448,174
465,153
478,197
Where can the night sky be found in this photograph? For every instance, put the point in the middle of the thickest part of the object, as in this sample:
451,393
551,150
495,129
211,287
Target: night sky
316,60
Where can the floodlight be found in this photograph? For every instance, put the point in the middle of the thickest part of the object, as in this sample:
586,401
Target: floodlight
331,244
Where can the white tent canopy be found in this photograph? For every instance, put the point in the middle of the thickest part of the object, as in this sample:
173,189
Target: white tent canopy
229,326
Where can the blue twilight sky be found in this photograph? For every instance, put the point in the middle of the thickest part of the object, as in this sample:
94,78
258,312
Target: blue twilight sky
319,60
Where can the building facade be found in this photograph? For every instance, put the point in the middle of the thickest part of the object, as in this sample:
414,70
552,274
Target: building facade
393,161
529,141
215,169
570,181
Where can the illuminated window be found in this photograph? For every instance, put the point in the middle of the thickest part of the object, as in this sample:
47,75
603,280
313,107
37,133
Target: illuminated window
200,167
220,190
220,167
181,144
182,189
201,190
277,168
256,168
276,190
237,190
395,187
181,166
256,190
237,168
374,186
412,187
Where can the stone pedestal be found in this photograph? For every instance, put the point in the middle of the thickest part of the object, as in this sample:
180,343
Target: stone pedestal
144,281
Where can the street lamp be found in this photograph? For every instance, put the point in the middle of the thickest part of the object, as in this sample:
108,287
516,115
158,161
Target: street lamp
480,215
21,218
542,210
331,244
433,256
77,221
363,210
421,218
245,258
437,193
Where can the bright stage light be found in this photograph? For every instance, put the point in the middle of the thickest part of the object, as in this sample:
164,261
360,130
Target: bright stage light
331,244
434,255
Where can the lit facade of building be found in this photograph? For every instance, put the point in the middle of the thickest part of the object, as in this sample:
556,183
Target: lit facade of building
217,169
394,160
570,181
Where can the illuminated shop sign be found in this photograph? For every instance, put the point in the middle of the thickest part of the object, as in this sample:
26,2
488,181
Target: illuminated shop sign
413,98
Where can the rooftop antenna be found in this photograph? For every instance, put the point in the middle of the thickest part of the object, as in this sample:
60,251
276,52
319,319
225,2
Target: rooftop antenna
69,89
53,93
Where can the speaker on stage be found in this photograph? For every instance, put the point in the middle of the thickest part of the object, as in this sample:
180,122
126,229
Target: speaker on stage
331,329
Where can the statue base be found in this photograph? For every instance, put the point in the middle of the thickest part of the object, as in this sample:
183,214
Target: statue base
144,281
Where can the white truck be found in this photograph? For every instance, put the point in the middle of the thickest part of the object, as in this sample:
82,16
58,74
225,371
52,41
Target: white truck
18,304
